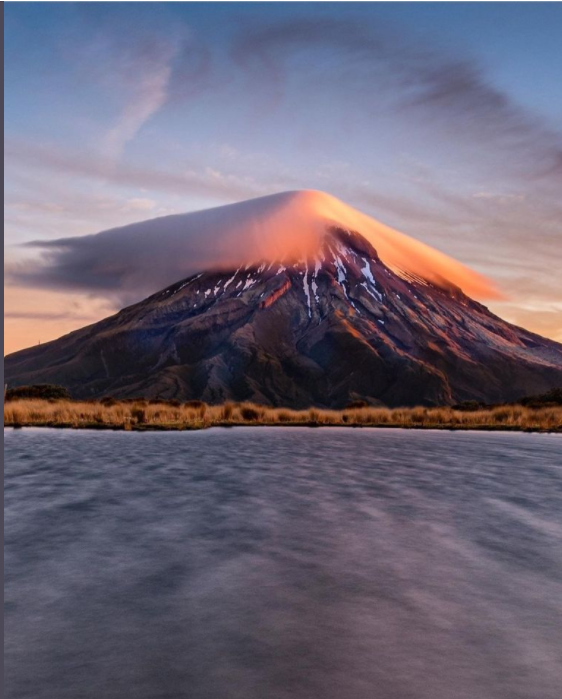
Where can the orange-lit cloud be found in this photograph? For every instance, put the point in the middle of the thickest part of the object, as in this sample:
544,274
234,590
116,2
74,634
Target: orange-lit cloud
136,260
394,248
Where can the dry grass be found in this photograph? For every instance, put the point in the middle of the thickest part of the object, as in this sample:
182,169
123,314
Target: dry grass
195,415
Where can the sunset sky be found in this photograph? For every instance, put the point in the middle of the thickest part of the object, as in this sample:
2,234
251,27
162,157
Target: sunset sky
440,120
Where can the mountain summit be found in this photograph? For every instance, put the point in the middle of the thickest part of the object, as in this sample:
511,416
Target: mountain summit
322,321
140,258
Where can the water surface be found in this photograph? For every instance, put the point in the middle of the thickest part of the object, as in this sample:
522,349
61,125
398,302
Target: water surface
283,563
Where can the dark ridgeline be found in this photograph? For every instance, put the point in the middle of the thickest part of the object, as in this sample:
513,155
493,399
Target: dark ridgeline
325,332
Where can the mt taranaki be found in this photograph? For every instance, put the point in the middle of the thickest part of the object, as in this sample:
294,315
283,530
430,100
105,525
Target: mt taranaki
332,307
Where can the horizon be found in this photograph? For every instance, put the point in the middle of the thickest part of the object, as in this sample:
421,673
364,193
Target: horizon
438,121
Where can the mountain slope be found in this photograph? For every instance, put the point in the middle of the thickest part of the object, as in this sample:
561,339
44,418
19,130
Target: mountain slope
324,331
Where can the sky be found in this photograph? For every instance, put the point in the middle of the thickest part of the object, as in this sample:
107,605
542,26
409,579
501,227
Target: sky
441,120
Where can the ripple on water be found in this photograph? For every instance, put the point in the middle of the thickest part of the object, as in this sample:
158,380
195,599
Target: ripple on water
287,563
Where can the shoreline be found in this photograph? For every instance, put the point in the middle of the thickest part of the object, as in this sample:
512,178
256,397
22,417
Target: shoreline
170,427
140,415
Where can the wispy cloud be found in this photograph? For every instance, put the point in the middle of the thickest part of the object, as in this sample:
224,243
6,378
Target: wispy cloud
133,63
374,68
46,315
149,95
194,178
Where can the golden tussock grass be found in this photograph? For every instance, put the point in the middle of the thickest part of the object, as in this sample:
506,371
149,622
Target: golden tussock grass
140,414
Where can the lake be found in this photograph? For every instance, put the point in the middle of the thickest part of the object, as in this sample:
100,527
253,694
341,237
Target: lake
283,563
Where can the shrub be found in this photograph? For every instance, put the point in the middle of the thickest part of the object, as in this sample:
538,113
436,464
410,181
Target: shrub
249,413
172,402
469,406
418,415
501,414
227,410
139,414
284,416
357,404
45,391
108,401
195,404
549,399
313,415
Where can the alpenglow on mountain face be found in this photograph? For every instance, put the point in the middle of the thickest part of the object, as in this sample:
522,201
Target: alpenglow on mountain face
334,325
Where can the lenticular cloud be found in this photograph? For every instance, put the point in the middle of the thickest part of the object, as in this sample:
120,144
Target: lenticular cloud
135,260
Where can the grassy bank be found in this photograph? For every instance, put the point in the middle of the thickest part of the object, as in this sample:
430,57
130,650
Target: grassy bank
142,415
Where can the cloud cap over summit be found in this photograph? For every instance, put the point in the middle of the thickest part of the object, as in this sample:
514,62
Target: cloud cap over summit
141,258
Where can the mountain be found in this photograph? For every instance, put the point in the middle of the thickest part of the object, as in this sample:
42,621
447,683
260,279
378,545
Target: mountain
334,326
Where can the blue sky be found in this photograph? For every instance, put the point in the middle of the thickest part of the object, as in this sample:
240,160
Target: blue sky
442,120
